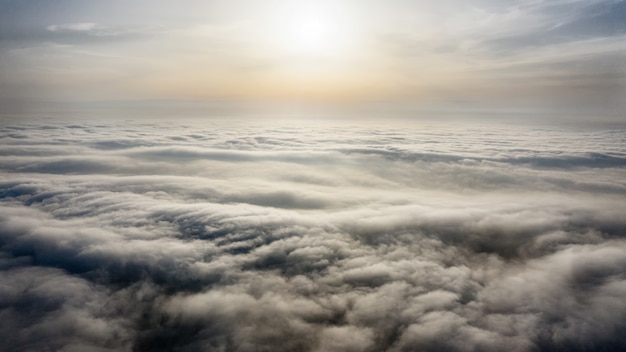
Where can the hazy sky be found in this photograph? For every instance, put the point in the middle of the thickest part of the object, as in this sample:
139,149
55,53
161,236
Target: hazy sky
533,55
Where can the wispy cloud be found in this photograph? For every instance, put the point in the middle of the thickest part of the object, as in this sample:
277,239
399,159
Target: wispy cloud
73,27
90,29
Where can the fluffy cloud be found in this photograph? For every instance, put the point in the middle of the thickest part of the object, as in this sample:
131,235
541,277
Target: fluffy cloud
221,238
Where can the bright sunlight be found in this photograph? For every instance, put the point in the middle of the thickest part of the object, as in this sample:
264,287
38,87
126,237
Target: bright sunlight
312,34
313,30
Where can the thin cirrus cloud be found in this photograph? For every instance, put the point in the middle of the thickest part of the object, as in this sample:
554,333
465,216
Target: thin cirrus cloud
77,27
219,238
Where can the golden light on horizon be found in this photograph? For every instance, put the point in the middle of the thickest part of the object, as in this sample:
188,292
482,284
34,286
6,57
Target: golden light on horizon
299,52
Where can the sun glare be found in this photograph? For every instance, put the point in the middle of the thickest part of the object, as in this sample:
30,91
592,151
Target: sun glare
315,46
312,33
312,30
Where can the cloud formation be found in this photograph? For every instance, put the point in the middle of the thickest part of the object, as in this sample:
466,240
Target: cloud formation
233,238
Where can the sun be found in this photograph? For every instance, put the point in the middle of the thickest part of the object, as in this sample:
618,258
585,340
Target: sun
312,33
311,30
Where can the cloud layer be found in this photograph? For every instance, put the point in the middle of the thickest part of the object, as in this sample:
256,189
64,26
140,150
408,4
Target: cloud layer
341,238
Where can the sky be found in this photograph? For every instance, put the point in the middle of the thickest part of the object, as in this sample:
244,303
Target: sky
312,176
563,57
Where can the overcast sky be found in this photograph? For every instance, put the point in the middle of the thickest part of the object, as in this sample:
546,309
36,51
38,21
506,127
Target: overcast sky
559,56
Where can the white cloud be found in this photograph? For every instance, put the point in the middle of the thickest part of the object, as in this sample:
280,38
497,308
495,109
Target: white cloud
157,237
75,27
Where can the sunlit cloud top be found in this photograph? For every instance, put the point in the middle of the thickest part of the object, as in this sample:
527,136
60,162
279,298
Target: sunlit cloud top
529,54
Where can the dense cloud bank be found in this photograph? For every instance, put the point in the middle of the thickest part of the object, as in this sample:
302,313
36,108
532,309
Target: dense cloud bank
344,238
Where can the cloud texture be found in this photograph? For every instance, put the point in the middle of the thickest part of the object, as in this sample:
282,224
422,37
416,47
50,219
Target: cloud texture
341,238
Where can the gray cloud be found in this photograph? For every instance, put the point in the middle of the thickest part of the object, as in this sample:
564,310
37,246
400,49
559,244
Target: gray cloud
220,238
565,22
